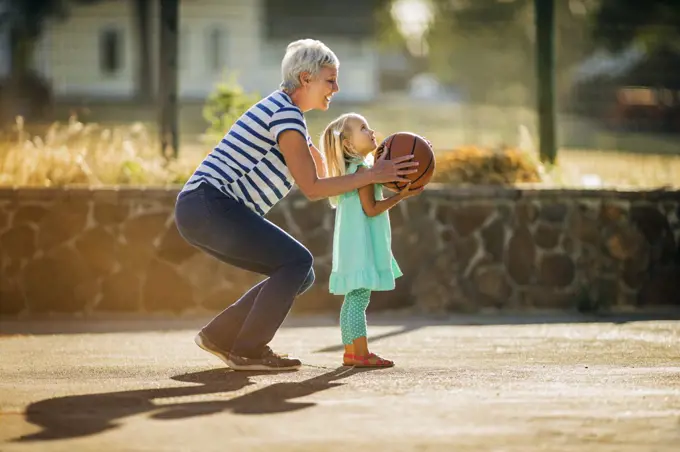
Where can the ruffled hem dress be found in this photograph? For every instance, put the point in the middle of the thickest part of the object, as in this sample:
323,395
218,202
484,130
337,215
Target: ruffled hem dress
362,246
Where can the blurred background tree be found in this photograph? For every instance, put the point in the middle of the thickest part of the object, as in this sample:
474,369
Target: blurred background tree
486,48
654,24
24,92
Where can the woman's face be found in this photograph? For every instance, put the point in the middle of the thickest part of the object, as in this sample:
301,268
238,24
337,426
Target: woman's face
321,88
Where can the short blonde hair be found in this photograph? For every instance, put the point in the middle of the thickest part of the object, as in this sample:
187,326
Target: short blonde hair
336,154
305,55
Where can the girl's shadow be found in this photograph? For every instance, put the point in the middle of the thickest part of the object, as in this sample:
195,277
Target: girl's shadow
90,414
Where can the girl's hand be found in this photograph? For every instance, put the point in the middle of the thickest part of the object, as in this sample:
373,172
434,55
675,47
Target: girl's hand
406,192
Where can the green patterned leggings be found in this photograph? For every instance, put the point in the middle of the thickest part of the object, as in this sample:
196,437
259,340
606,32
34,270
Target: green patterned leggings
353,315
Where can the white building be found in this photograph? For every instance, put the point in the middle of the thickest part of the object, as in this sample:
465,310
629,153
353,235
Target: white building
95,52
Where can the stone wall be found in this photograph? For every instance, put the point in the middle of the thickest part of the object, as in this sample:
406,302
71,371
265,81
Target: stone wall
117,250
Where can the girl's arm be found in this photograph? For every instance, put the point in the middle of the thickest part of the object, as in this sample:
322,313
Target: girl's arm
373,207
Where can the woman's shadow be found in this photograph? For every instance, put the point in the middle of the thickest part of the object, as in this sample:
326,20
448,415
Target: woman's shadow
90,414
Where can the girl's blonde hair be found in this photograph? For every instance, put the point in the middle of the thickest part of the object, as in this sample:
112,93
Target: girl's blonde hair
336,150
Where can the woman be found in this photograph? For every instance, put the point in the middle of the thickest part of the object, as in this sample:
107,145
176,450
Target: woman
222,206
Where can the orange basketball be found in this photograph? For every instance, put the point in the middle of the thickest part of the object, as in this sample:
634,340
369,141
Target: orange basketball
407,143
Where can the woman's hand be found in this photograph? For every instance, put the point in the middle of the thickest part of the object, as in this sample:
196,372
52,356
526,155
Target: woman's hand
393,170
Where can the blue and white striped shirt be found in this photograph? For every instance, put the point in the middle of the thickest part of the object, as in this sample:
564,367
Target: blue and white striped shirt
247,164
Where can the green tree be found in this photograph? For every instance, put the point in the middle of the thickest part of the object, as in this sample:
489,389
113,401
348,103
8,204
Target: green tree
224,106
25,20
486,47
654,24
481,47
387,31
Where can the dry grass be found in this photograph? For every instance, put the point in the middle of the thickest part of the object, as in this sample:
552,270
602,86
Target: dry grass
470,165
91,154
477,165
80,154
616,169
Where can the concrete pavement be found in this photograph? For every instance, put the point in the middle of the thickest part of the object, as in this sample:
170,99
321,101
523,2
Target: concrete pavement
460,384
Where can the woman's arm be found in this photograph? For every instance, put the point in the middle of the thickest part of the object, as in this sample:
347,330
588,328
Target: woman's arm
319,162
300,162
373,207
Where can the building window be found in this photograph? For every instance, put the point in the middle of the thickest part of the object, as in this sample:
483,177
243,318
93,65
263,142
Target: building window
217,49
110,51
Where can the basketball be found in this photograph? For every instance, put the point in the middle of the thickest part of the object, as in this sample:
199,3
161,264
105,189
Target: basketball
406,143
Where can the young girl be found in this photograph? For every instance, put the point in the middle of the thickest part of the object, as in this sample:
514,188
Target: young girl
362,253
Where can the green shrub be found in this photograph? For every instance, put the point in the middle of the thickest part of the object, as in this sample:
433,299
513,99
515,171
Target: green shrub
225,105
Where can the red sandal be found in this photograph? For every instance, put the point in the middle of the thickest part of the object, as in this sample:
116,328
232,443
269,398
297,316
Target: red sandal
348,359
365,361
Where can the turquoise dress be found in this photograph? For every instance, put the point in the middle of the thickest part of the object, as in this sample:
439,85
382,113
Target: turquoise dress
362,246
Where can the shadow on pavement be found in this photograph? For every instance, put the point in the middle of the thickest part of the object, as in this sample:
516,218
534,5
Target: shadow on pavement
373,338
418,323
408,322
90,414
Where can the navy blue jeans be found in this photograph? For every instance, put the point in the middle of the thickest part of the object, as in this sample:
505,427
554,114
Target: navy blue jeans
229,231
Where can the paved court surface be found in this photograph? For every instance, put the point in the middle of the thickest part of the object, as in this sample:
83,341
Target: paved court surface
461,384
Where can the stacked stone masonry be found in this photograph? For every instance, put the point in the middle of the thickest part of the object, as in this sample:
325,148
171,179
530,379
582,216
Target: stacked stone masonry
85,250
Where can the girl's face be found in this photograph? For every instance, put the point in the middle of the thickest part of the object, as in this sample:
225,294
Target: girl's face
362,137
